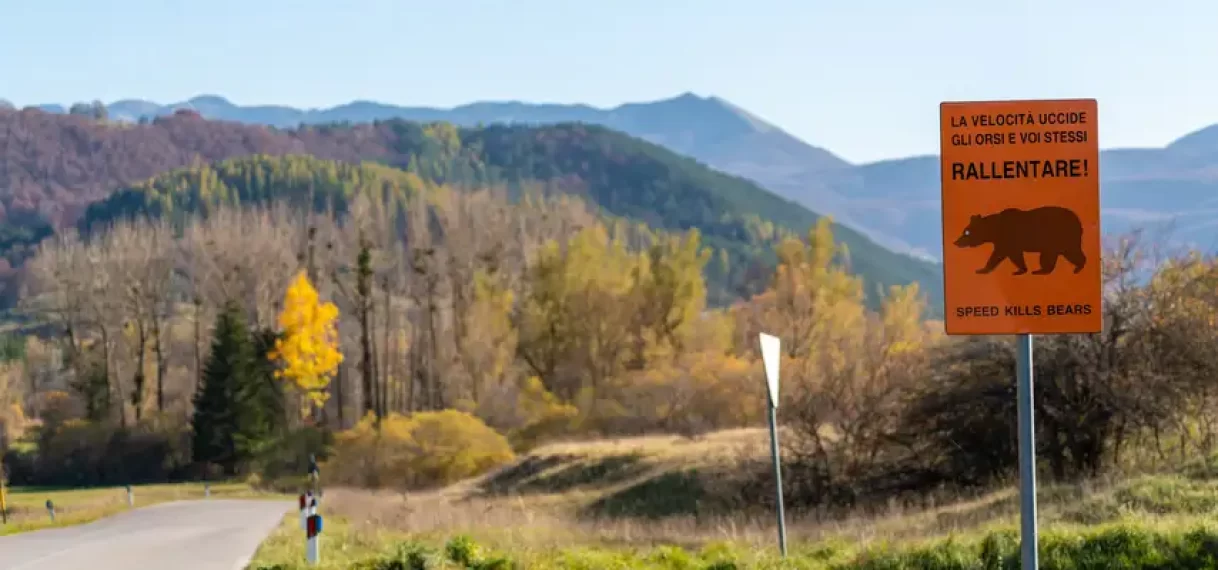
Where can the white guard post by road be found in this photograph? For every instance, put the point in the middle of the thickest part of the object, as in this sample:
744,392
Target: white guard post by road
312,546
771,354
304,511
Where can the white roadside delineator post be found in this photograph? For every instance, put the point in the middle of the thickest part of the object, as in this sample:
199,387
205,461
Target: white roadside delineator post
51,510
771,356
312,546
304,512
130,497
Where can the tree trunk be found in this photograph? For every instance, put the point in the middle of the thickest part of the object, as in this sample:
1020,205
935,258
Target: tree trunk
386,357
159,351
198,338
436,392
122,410
414,376
138,379
338,396
365,365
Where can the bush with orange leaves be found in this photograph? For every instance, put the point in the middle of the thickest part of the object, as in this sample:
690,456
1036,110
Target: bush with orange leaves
422,450
691,394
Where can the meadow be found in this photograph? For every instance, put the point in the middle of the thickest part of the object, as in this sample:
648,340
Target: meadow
617,504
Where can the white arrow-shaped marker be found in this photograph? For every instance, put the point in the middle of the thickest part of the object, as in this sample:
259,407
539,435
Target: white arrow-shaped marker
770,352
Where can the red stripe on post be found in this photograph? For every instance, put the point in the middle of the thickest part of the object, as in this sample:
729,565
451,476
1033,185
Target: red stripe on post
302,502
311,527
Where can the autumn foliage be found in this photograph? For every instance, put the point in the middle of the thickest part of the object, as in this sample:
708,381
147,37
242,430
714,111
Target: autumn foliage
425,449
439,331
307,351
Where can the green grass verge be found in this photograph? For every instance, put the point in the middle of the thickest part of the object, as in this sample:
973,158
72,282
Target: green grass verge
1151,522
27,505
1116,546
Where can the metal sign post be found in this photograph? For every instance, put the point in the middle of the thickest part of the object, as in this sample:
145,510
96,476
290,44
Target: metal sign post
1027,452
1006,165
770,356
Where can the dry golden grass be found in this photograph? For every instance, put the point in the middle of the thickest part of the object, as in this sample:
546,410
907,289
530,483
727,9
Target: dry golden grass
538,514
515,521
542,516
708,447
519,521
579,471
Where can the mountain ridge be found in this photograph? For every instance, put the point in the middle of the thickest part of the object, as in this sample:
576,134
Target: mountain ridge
894,201
469,114
54,166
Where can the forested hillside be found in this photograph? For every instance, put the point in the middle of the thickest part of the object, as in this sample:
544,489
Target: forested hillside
412,334
503,324
48,184
540,318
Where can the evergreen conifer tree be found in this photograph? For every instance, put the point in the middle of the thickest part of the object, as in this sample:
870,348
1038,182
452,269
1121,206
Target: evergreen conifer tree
260,401
218,413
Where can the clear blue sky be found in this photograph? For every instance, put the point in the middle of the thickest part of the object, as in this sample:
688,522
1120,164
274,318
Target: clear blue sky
862,78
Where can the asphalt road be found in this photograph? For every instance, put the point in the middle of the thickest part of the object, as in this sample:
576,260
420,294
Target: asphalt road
213,534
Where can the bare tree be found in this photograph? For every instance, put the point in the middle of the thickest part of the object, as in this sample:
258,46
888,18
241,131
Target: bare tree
141,255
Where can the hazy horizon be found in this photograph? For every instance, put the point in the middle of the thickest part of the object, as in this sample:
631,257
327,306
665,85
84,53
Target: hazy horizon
862,80
66,104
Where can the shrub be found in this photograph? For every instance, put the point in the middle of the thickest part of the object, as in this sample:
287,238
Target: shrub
527,412
283,464
406,556
1120,546
422,450
462,549
82,453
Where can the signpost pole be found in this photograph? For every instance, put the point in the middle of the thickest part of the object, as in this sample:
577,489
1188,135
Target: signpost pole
1027,453
770,357
782,522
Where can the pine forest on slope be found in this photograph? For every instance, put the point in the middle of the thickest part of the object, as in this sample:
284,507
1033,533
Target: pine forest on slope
624,176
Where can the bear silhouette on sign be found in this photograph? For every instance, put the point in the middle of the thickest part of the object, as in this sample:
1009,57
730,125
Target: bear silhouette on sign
1051,231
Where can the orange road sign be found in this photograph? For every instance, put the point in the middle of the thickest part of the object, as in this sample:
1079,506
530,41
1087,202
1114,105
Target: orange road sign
1021,217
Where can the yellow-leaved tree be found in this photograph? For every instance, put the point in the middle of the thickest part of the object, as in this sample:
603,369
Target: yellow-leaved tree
307,350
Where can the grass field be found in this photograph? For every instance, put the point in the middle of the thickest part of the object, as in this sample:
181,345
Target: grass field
27,505
630,504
